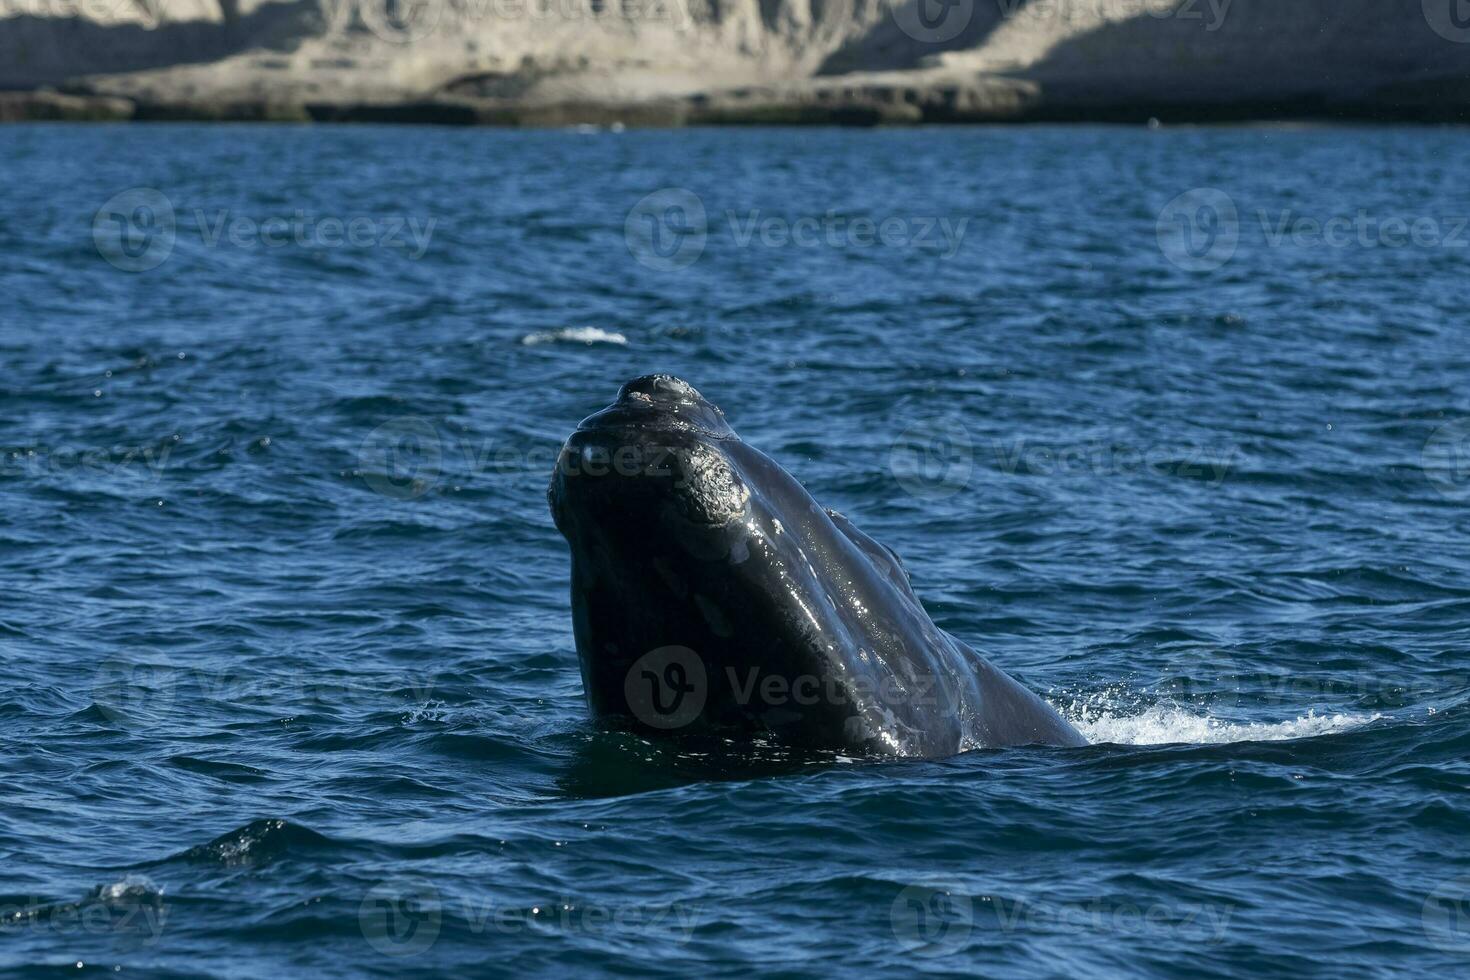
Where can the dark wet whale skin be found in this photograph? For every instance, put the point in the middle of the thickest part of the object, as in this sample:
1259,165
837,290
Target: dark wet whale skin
786,620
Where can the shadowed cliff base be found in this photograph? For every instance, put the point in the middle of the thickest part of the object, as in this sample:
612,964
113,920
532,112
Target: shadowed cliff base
915,107
676,115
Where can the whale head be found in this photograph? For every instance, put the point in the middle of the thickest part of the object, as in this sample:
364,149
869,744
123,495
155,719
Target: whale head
711,592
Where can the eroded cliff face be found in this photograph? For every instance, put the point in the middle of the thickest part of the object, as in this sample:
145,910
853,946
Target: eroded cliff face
352,49
1006,58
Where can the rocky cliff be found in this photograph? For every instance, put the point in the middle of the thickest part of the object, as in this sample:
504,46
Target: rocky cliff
734,60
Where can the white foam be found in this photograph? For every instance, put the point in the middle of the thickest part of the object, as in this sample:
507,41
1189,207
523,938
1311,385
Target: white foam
575,335
132,887
1166,724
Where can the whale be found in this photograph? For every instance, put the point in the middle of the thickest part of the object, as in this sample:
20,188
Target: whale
712,595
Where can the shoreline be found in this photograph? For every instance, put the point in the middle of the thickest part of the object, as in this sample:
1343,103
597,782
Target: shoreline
883,109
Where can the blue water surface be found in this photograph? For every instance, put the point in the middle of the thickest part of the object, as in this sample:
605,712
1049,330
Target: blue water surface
1170,423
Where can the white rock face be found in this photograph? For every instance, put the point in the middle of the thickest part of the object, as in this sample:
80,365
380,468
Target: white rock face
1078,52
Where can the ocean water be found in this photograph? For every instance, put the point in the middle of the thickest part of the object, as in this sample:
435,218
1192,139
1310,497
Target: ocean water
1170,423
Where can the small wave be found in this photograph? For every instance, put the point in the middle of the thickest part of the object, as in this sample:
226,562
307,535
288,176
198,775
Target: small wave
1163,725
256,842
575,335
230,771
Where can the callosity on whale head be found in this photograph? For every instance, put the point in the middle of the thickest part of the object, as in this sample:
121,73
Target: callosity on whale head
712,594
